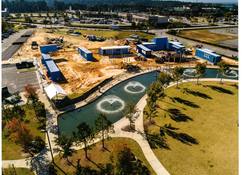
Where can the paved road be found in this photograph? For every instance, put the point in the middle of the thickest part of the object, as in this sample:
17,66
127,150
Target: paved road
219,50
16,80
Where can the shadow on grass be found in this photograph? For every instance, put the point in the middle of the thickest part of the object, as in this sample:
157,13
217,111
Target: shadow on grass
235,85
186,102
156,141
196,93
182,137
220,89
177,115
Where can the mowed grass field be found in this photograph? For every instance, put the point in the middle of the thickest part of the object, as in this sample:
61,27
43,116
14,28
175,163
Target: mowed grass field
11,150
206,36
98,155
115,34
209,115
18,171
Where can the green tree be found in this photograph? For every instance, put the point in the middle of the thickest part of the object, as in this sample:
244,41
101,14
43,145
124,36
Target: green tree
223,68
164,79
85,135
65,143
177,74
200,70
104,126
130,114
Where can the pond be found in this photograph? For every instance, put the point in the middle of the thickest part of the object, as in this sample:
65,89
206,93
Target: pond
114,101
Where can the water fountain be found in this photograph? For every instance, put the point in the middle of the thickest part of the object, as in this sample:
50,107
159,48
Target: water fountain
110,104
190,73
134,87
231,74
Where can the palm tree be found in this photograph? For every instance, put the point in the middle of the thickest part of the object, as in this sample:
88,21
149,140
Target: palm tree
200,70
104,126
152,112
177,74
85,135
223,68
65,144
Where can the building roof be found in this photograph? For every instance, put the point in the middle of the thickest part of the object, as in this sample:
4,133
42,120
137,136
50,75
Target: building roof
46,56
115,47
208,52
85,50
148,43
178,44
52,66
54,90
143,47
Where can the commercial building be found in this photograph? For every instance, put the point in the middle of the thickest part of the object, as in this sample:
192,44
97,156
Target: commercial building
85,53
176,46
45,57
158,43
157,19
208,55
48,48
114,50
53,71
146,52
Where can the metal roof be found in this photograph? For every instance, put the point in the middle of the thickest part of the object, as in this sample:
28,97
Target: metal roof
208,52
54,90
144,48
148,43
85,50
115,47
46,56
52,66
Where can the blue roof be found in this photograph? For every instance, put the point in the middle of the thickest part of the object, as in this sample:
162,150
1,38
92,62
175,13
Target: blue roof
46,56
85,50
143,47
208,52
52,66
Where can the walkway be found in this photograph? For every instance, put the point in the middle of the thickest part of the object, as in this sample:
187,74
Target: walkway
42,159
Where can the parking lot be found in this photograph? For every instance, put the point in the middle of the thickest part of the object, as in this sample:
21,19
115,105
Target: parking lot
16,80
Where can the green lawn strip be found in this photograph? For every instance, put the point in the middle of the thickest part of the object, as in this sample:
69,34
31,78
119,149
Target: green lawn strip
212,122
19,171
97,155
111,33
206,36
11,150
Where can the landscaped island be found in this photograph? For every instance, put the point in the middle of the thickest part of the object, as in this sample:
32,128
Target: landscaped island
199,127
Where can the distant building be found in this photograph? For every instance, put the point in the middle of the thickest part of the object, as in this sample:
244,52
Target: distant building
5,12
156,19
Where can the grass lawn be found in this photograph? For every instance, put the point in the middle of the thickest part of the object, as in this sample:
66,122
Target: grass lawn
206,36
112,33
209,114
10,150
19,171
97,155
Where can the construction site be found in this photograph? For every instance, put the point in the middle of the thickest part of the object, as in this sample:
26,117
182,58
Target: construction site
84,61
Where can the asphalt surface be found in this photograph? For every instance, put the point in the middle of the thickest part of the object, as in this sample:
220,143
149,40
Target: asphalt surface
16,80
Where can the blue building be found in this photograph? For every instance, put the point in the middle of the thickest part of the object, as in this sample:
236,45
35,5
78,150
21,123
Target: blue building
85,53
146,52
45,57
150,45
48,48
161,42
208,55
114,50
53,71
176,46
